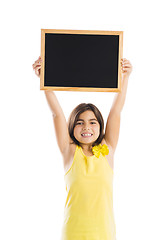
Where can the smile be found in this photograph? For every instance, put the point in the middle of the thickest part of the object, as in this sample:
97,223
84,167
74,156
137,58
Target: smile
86,135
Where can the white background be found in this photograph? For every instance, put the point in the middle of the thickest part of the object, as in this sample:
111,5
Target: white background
32,188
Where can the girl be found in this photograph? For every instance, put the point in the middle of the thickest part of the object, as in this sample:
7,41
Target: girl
88,157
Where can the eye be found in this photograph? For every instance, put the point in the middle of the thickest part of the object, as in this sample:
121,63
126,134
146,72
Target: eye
93,122
79,123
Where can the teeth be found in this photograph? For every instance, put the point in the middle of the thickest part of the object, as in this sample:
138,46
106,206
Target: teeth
86,134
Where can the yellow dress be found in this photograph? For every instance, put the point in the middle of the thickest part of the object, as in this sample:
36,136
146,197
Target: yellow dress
88,211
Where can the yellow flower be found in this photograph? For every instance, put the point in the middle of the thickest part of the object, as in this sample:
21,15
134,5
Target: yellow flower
100,149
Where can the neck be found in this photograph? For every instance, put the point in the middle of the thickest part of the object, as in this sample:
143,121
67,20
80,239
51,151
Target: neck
86,147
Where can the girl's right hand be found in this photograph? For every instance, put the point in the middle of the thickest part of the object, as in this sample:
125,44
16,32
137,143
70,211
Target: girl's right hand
37,66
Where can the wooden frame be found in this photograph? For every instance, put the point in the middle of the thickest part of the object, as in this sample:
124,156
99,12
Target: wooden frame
87,89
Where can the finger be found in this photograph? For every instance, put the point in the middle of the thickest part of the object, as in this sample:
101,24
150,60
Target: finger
35,65
39,60
37,68
126,68
124,60
124,63
37,71
127,65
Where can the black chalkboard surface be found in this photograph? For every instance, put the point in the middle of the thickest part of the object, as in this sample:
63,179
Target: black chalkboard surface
81,60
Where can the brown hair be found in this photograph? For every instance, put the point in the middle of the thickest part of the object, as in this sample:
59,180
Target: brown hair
74,117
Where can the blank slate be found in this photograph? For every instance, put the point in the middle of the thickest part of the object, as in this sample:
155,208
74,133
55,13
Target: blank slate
81,60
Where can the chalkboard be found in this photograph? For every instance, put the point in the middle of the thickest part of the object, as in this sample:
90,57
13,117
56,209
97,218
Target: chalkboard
81,60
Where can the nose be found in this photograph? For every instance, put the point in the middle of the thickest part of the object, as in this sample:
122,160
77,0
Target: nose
85,127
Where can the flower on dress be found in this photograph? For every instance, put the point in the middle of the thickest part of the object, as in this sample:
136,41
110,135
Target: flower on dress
100,149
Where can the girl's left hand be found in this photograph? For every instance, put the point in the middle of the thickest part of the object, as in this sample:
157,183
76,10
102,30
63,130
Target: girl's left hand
126,67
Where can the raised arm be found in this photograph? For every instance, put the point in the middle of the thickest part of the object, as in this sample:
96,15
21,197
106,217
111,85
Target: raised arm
60,124
113,121
59,120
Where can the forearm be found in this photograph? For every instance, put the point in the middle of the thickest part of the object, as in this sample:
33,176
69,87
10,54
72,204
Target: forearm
53,103
119,99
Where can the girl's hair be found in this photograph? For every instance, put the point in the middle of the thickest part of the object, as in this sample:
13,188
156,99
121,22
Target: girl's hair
75,115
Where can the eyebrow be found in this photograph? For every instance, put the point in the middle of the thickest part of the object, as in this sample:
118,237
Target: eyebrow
89,119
